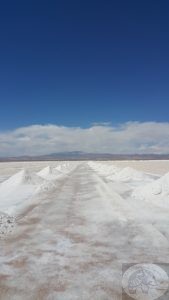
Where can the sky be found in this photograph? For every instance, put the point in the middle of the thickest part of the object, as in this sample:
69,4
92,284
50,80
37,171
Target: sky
89,67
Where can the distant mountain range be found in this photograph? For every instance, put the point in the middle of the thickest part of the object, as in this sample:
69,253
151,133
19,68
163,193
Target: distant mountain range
78,155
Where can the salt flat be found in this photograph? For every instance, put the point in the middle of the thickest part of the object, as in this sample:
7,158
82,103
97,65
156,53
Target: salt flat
67,228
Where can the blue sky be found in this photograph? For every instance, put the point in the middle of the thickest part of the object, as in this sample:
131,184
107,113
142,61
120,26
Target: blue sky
75,63
78,62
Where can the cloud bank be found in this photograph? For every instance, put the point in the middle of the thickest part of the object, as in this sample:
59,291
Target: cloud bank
126,138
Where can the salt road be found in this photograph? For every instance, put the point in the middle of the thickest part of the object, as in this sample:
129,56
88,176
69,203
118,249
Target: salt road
72,242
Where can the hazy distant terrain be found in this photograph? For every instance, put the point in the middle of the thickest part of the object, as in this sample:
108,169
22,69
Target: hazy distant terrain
79,155
66,227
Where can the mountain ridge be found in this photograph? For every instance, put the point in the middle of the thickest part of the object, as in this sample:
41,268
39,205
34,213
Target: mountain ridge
79,155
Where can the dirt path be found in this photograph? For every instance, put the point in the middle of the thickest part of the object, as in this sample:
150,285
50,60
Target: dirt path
73,243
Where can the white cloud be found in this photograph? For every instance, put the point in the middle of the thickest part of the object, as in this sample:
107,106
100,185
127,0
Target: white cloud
130,137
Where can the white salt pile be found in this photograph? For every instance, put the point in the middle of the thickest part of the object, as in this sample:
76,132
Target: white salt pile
23,177
65,167
128,173
104,169
156,192
18,188
49,173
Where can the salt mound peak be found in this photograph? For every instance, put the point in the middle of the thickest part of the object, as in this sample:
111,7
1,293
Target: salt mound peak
21,178
48,171
158,188
165,177
130,170
104,169
31,178
129,173
112,170
62,168
45,171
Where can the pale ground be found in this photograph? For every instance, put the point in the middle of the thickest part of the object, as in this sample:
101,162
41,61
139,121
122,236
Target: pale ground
151,166
70,242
